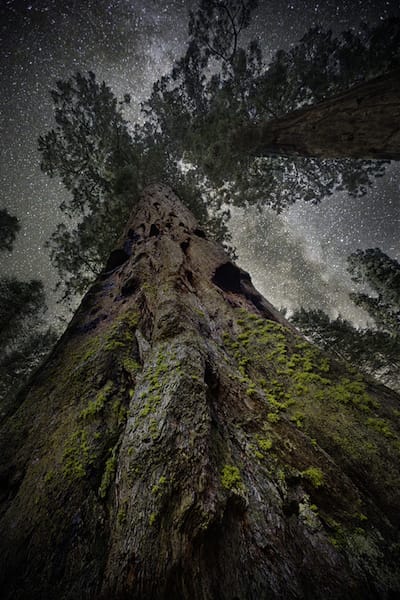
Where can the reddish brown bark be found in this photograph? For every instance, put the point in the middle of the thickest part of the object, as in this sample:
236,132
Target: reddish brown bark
363,122
182,441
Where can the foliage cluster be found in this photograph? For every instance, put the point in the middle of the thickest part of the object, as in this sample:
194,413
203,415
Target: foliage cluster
373,350
9,227
231,478
24,338
380,274
220,84
104,164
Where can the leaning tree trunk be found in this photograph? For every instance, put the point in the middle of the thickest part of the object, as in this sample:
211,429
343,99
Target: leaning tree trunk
363,122
183,441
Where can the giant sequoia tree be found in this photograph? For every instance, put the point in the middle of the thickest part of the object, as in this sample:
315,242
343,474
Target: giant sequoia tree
184,441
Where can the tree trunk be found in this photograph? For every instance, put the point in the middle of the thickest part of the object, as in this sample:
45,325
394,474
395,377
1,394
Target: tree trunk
183,441
363,122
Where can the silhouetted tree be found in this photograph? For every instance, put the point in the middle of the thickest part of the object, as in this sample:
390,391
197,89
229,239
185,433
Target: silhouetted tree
9,228
373,351
380,275
24,337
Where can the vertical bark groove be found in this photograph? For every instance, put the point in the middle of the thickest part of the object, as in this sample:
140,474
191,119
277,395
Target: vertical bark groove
188,443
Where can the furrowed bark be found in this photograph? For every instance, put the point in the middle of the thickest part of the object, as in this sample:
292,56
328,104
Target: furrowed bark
363,122
183,441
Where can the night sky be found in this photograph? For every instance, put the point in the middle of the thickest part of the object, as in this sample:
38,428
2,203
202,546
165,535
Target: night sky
295,258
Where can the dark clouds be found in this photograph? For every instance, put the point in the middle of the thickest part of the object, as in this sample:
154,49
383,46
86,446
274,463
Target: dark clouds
130,44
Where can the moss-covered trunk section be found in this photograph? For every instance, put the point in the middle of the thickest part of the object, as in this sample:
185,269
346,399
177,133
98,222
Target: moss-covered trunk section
361,123
183,441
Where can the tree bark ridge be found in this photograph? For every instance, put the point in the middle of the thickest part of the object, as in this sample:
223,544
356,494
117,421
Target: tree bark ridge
184,441
363,122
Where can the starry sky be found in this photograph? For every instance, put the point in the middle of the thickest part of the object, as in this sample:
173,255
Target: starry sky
297,258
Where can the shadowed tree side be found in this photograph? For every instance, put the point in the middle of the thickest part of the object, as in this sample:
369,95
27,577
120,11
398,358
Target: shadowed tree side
182,440
363,122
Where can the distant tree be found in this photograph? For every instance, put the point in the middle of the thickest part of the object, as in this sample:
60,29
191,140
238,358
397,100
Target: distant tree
373,351
380,276
24,336
20,301
9,228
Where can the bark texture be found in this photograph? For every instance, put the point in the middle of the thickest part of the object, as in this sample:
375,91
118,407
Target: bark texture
363,122
183,441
